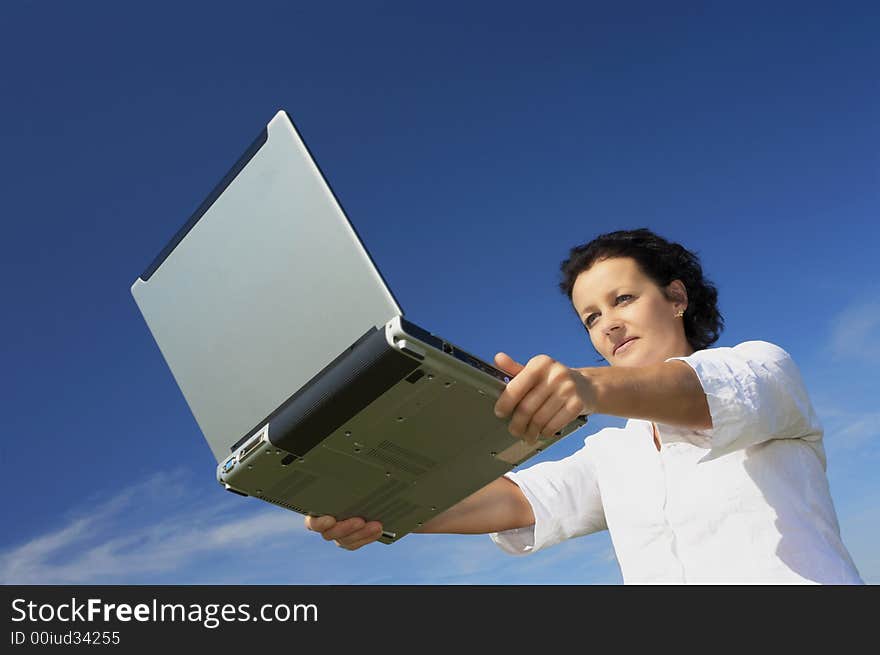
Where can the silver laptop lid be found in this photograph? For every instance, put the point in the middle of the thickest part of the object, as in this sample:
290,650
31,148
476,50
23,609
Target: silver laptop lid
264,286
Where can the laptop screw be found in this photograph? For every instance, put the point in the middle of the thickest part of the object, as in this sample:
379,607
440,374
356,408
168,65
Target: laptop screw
481,392
250,466
433,508
430,377
348,433
447,384
400,419
493,453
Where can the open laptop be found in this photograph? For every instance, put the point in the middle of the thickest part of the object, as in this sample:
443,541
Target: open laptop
312,390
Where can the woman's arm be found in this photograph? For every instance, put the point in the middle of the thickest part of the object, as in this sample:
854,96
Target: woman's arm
498,506
669,392
739,396
545,395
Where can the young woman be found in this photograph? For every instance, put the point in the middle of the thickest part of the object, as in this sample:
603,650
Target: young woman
717,477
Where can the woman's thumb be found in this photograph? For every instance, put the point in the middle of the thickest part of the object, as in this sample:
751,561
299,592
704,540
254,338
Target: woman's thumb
508,364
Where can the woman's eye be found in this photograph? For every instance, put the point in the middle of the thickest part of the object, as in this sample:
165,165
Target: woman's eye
592,317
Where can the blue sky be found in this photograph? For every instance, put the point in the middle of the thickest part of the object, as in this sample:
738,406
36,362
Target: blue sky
472,144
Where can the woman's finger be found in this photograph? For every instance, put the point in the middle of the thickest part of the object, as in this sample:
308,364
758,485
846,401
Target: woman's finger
562,418
538,425
343,529
319,523
526,408
367,534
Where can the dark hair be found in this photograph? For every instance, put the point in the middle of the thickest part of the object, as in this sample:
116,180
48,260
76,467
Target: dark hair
663,262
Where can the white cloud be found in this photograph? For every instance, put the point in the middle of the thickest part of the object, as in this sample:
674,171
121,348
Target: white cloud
108,545
855,332
171,529
849,430
860,431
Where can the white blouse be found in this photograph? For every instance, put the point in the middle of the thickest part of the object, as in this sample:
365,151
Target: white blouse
746,502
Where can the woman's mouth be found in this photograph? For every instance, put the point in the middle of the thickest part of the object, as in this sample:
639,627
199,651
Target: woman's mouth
624,346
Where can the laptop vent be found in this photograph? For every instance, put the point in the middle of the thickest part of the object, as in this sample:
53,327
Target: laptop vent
283,504
383,504
291,485
389,452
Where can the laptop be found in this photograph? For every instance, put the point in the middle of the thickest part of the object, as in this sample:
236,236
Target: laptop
313,391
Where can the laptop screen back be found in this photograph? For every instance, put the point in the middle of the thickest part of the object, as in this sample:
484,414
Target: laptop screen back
262,291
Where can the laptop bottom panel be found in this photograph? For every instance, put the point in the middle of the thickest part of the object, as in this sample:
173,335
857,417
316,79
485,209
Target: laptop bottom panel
424,442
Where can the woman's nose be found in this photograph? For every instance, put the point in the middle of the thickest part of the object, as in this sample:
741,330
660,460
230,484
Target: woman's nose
611,324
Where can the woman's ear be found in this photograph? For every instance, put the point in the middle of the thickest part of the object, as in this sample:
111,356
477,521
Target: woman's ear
677,292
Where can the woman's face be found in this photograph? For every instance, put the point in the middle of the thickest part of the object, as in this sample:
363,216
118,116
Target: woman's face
619,304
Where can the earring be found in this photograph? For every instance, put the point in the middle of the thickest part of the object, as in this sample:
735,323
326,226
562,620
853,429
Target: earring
680,313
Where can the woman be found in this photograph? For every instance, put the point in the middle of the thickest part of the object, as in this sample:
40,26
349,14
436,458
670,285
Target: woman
718,476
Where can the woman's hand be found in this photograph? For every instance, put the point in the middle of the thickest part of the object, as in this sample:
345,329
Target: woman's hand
543,397
350,534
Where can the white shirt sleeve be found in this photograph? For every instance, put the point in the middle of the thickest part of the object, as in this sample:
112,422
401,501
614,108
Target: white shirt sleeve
565,500
755,393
